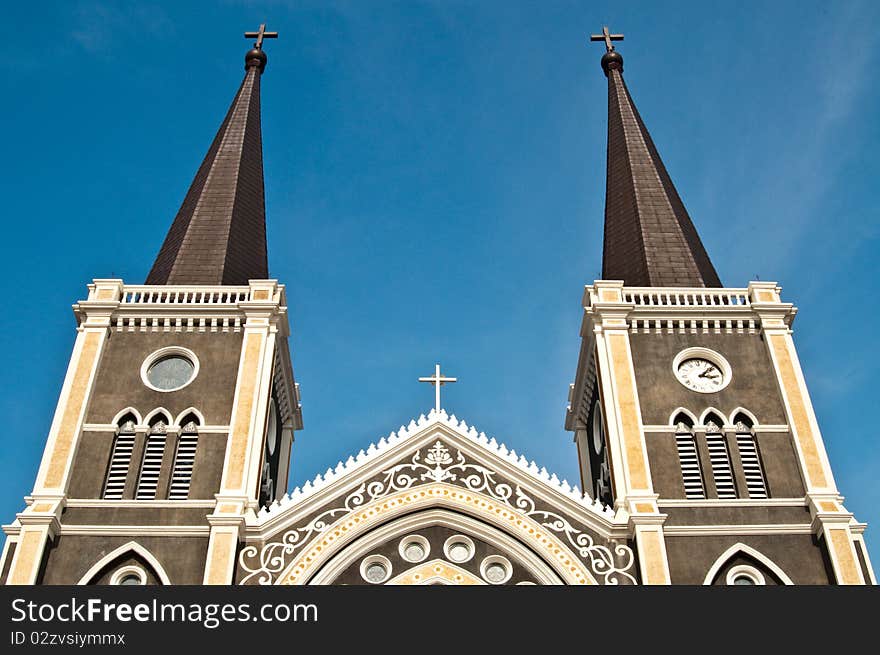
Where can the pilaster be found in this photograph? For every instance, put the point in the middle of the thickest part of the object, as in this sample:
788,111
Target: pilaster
633,487
831,521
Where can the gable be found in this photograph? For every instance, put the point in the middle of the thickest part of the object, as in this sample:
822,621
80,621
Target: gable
438,462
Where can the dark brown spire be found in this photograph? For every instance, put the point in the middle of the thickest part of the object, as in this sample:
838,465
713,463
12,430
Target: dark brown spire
219,233
649,237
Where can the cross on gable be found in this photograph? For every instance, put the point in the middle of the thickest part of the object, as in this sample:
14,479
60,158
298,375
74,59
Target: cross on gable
259,35
438,381
607,37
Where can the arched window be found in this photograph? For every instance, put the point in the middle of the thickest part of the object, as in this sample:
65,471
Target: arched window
687,455
719,457
120,459
756,483
154,452
184,458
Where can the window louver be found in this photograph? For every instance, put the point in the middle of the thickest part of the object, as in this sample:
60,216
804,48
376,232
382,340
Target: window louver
120,461
751,462
720,460
181,476
690,462
148,480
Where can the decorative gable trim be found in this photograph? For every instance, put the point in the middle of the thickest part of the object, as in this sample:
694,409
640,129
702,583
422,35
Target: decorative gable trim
539,475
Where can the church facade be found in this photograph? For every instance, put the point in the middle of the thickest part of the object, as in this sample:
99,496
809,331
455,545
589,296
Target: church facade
700,456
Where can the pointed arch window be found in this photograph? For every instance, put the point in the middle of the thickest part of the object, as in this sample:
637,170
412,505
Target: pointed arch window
753,471
154,453
120,459
719,457
690,460
184,459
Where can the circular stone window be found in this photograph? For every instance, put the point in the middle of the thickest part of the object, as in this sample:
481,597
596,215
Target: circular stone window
496,569
744,575
170,369
414,548
129,575
458,549
376,569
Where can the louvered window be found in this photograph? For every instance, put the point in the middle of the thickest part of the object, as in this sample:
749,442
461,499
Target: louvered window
690,462
720,460
751,461
120,461
181,475
152,462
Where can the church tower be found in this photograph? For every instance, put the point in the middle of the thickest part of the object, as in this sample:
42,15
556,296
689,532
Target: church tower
177,412
689,408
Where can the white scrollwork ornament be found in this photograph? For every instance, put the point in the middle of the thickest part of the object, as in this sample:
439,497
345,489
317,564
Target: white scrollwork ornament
262,565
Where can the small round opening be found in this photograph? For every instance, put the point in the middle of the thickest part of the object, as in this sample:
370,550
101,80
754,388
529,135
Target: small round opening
170,372
496,573
376,572
459,552
130,579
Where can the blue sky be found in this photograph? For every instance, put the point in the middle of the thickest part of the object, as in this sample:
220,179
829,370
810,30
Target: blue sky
435,192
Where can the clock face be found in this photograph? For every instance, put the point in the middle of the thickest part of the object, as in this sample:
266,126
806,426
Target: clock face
700,374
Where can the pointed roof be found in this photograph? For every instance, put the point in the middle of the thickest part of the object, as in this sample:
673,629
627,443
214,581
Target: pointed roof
219,234
649,238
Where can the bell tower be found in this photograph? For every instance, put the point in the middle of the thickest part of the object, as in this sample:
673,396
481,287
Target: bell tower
689,407
176,418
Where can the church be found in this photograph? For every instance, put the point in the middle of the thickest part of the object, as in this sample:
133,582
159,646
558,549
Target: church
701,460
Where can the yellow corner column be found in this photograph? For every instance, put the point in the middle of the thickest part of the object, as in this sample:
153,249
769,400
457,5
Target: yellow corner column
626,442
239,487
831,520
39,521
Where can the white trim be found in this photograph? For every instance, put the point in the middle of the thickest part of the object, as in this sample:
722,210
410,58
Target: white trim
435,579
114,424
863,548
734,502
148,419
757,428
748,550
126,570
711,410
748,529
745,570
136,530
108,427
752,418
676,412
100,502
351,472
703,353
131,546
169,351
190,410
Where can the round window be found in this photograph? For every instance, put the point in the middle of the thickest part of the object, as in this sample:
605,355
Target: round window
459,549
376,569
496,569
170,369
414,548
130,579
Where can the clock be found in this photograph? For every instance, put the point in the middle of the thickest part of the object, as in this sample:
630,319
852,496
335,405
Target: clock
701,370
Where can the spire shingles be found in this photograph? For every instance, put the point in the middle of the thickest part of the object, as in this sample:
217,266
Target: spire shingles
649,238
219,233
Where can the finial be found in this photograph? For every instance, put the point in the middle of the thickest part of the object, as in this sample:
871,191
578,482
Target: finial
256,56
611,58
